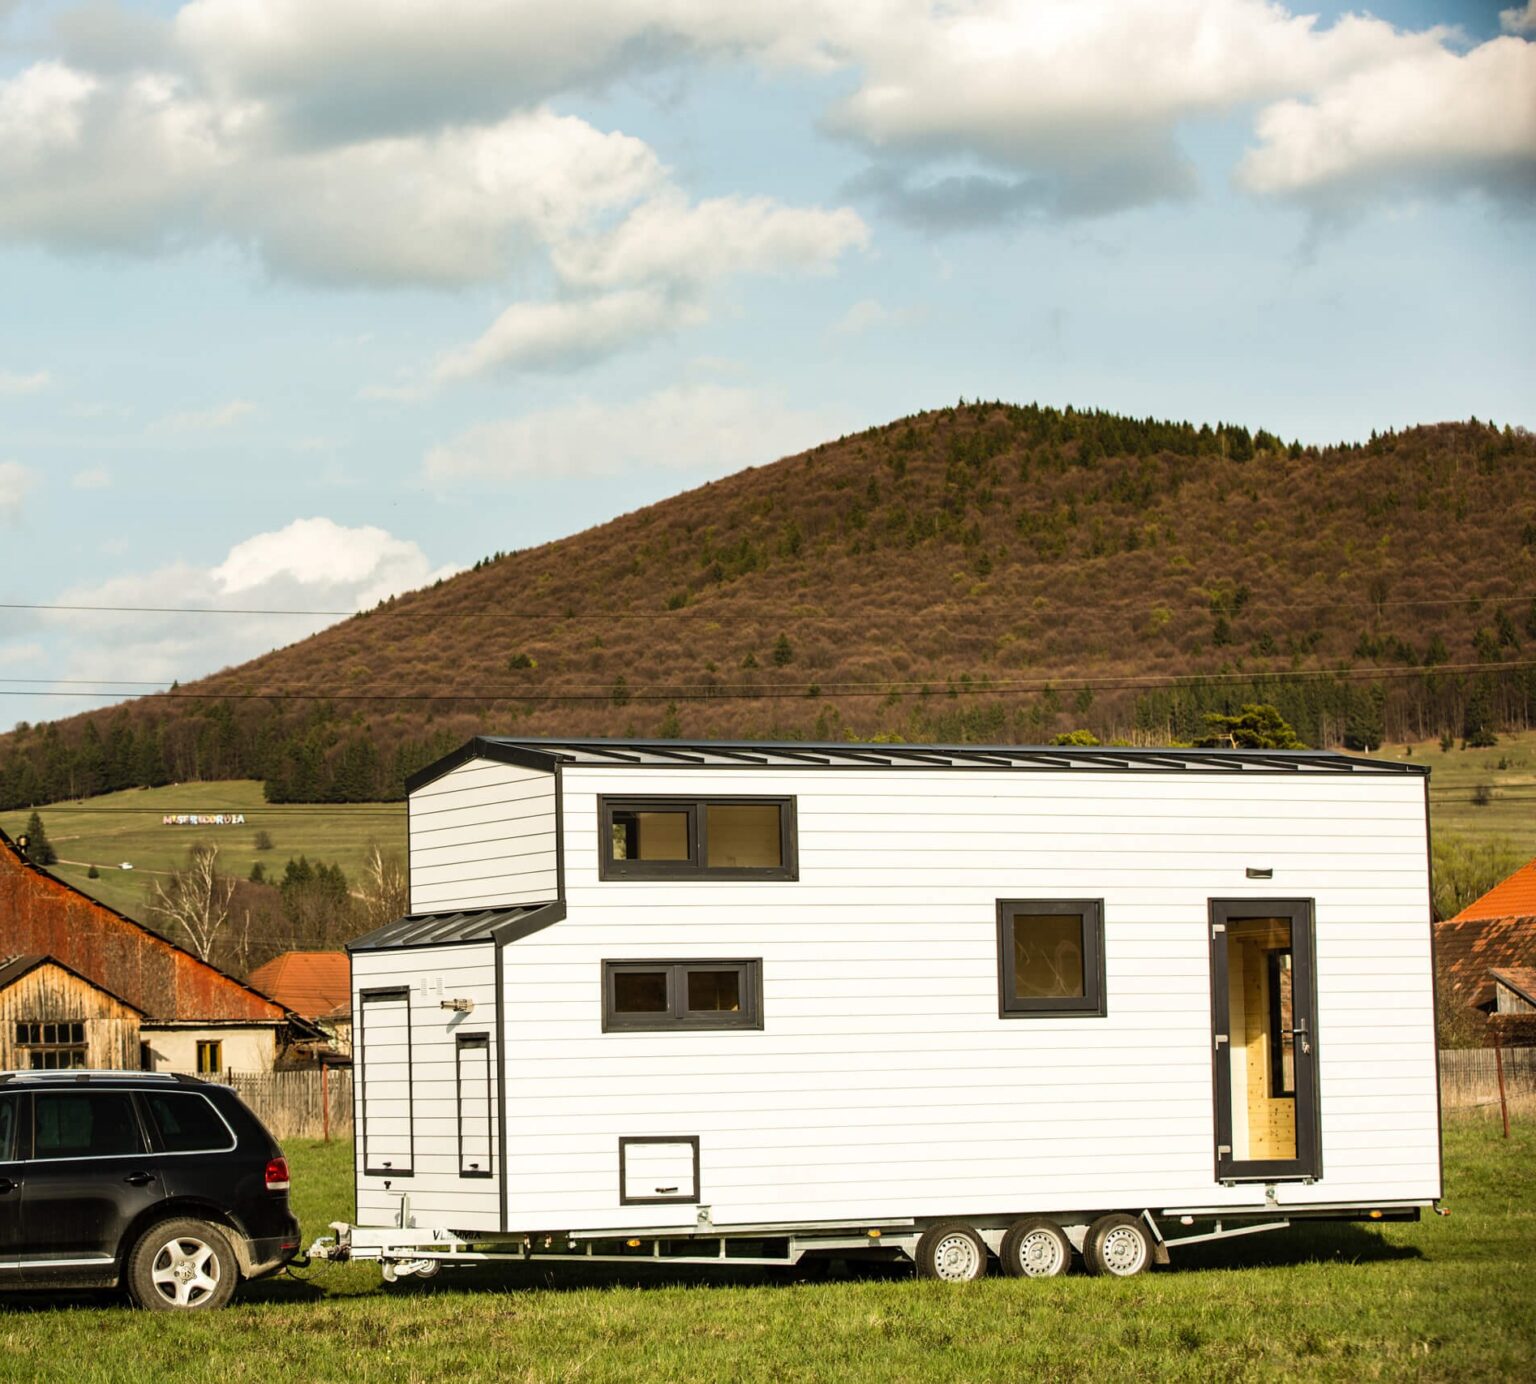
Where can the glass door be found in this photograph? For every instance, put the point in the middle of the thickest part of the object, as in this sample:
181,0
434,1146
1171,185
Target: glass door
1263,1008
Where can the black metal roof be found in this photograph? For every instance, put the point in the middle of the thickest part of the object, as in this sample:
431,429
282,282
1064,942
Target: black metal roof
722,754
500,925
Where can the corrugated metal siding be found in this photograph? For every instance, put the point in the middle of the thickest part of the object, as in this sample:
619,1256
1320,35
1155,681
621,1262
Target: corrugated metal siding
41,914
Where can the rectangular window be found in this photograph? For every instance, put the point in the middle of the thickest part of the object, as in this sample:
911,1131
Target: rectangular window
186,1122
694,838
1050,956
85,1124
9,1105
386,1093
658,995
473,1051
51,1047
210,1057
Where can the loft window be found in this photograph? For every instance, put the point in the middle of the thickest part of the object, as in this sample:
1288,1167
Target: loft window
1050,957
694,838
50,1047
210,1057
657,995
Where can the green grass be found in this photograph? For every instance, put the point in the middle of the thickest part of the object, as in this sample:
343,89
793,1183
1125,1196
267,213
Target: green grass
1445,1299
1510,812
324,831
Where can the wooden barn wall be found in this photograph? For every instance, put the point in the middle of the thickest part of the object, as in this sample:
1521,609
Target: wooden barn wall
43,915
50,994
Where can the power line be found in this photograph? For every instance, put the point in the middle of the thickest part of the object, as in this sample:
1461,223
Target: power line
728,692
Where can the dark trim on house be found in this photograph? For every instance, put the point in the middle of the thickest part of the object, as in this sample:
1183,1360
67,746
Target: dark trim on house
499,970
478,1042
1093,1002
678,1018
481,747
696,866
625,1141
1307,1166
386,992
560,832
1434,989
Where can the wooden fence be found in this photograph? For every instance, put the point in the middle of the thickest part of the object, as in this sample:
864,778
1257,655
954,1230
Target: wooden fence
293,1104
1469,1077
290,1103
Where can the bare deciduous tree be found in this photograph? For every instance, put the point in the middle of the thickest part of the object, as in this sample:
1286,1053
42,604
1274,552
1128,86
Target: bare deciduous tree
194,901
385,895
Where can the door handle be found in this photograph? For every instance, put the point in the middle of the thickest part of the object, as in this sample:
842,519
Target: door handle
6,1185
139,1179
1303,1042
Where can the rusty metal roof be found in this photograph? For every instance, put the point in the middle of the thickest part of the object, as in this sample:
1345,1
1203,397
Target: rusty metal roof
43,915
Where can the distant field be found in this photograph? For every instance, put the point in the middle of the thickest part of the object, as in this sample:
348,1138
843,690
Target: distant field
108,830
1508,771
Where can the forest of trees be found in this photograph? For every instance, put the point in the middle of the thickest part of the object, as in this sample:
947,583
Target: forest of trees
982,572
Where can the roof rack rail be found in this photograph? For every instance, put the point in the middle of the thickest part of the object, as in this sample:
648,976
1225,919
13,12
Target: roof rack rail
86,1074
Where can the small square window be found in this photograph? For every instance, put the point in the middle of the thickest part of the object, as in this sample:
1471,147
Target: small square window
1050,957
210,1058
661,995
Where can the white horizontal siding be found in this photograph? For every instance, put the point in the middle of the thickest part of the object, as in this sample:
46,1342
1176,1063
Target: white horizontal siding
884,1083
482,835
438,1194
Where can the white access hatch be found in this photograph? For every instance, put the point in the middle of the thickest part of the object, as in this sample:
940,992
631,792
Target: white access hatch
658,1169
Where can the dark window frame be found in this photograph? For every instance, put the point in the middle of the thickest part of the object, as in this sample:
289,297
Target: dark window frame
158,1140
478,1042
137,1116
386,994
696,866
659,1199
1093,1003
678,1018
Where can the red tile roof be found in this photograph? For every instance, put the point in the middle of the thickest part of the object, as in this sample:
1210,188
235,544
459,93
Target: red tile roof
315,984
1466,948
1514,897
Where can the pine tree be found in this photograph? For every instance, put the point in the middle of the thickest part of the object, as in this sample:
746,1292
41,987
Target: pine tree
783,653
39,849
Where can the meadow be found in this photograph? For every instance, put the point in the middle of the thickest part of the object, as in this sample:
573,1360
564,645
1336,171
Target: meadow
107,830
1451,1298
1485,795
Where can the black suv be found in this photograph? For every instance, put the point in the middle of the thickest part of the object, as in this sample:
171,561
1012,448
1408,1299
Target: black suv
166,1184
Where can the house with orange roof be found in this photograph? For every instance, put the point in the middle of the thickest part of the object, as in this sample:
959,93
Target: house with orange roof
316,985
1486,957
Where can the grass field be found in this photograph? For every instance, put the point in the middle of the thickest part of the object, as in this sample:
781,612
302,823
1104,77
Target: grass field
1508,771
108,830
1445,1299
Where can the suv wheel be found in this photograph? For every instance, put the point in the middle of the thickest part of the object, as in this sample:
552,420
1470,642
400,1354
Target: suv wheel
182,1266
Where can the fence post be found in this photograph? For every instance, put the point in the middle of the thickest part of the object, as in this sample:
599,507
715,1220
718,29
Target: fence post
325,1098
1498,1061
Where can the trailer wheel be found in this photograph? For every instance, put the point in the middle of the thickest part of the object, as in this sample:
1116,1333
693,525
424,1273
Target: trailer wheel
951,1251
1035,1247
1118,1246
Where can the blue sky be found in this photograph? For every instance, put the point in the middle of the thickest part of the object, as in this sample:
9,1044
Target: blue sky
305,304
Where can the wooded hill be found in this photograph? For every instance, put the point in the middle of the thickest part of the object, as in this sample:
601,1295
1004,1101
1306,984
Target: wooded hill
983,572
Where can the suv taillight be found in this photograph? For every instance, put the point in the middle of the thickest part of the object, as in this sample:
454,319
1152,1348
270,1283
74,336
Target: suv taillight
277,1175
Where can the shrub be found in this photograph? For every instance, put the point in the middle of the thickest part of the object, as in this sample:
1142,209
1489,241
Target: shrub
783,652
263,840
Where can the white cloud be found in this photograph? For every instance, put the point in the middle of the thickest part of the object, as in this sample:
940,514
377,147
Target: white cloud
311,564
707,429
1432,121
565,334
13,383
16,483
870,314
1519,20
667,239
93,478
214,419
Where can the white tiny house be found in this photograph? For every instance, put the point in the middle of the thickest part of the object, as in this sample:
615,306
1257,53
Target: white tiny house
928,996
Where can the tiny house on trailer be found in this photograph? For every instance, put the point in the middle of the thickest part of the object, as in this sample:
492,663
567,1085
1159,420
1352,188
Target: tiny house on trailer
750,1001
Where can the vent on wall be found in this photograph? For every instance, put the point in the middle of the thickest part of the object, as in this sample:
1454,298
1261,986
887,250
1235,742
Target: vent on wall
1261,872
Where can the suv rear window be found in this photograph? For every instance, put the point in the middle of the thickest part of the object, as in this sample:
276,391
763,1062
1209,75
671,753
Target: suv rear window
85,1124
187,1122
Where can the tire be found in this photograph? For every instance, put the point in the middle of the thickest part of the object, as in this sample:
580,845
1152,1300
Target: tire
1118,1246
183,1265
1035,1247
951,1252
